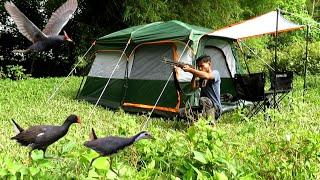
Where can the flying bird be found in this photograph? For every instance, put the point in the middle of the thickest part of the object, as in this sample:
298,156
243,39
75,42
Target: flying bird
42,136
49,37
112,144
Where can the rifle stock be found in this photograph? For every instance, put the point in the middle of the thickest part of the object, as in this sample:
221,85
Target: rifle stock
200,82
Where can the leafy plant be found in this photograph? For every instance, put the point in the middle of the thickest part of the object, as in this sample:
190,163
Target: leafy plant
287,147
14,72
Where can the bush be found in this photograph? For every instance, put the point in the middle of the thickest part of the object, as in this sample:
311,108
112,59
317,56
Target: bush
14,72
291,55
293,58
2,73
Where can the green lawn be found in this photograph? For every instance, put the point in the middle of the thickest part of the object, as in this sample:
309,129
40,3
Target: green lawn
285,147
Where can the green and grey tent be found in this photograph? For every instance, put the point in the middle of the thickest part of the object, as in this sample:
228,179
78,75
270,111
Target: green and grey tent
133,61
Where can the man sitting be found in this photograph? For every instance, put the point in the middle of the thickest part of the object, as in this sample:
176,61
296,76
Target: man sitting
210,87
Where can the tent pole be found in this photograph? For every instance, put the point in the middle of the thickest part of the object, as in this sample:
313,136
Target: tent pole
70,73
111,75
125,86
305,63
164,87
80,87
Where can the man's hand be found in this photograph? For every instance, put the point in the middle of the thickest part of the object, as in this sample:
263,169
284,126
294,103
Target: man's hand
176,68
186,68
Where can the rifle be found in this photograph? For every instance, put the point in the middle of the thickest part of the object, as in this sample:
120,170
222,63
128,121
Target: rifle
200,82
179,64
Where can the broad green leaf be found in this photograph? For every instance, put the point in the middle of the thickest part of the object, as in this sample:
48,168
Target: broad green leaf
34,171
13,178
93,174
24,171
3,172
220,176
191,132
101,163
208,154
197,171
13,167
37,155
174,177
90,156
200,157
151,165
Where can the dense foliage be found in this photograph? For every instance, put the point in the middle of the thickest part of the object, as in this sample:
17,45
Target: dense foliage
283,147
93,19
96,18
286,146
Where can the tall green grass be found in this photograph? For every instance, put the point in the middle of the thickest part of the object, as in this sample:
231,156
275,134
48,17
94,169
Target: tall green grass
286,146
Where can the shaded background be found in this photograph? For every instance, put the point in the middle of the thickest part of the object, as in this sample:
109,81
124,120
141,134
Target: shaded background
96,18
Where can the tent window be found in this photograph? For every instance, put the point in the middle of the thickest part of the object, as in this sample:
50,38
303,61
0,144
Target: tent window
148,65
185,58
104,64
218,61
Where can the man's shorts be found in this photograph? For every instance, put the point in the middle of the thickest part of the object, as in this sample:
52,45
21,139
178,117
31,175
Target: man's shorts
209,108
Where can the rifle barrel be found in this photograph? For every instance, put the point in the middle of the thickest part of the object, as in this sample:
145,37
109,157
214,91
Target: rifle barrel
175,63
171,62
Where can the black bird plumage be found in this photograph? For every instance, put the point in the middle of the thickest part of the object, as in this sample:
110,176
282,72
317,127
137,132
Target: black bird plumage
112,144
42,136
49,37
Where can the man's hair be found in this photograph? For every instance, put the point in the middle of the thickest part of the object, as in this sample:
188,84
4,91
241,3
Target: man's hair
203,58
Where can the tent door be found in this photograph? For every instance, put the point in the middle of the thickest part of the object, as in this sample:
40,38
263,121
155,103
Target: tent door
148,76
220,64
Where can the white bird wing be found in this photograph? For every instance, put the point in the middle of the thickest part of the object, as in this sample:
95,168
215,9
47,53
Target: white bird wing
25,26
60,17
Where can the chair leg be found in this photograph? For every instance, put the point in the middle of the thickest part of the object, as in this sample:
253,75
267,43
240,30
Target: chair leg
256,108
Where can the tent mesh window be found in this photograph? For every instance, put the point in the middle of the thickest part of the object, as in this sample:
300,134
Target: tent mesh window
218,61
104,64
148,65
186,58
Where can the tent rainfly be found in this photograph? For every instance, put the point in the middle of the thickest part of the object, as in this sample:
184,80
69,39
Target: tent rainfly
141,75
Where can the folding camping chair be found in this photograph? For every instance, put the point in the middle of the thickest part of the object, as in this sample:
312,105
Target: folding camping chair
281,85
250,87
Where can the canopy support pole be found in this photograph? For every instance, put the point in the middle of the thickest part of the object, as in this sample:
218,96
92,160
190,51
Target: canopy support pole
275,58
305,64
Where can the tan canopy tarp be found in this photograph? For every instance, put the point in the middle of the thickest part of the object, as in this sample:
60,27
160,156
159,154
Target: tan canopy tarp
260,25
